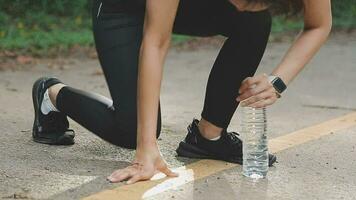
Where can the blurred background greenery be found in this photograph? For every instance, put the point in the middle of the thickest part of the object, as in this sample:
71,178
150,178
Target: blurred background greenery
37,25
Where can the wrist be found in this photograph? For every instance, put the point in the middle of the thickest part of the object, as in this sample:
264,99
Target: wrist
147,145
147,151
283,77
146,137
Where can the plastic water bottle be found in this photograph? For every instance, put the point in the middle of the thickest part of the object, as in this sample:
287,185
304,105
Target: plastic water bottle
255,144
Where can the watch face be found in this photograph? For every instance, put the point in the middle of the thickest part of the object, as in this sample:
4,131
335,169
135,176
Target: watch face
279,85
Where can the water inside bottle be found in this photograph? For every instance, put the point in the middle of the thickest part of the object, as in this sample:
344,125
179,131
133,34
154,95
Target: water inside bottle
255,144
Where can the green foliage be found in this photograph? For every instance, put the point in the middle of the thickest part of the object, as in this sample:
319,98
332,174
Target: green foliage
281,24
344,13
43,24
344,16
20,8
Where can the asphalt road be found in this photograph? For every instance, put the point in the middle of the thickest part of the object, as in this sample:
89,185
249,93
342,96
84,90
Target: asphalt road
321,169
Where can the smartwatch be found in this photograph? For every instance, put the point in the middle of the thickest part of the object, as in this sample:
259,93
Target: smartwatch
277,83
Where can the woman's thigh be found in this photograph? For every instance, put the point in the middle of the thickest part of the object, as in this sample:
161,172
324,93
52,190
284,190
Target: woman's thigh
117,32
204,17
118,37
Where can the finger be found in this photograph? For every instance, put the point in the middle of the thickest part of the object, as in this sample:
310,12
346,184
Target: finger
123,175
259,104
264,103
269,93
134,179
261,87
247,83
169,172
246,94
115,173
120,171
140,176
250,81
119,177
256,98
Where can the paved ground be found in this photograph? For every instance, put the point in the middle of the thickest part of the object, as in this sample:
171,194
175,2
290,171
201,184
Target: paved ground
321,169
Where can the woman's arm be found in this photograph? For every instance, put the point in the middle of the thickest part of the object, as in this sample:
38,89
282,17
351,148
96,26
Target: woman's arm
317,26
158,25
159,19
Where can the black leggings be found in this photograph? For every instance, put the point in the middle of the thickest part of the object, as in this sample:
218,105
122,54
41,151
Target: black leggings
117,31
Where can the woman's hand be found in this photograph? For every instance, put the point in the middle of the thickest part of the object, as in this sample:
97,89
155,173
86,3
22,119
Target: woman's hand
147,163
257,92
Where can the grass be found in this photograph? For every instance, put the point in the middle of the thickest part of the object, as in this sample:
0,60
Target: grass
41,31
36,33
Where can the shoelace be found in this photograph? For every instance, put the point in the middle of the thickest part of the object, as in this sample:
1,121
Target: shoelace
234,137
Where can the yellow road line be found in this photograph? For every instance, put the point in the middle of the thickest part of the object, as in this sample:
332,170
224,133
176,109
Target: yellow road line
194,171
312,133
205,168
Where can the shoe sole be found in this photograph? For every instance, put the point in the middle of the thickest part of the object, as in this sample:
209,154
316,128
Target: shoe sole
64,139
186,150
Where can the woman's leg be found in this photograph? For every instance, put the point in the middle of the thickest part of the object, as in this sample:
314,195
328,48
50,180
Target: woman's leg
118,38
239,58
247,35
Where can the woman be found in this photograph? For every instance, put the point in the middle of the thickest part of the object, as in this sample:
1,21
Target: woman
132,39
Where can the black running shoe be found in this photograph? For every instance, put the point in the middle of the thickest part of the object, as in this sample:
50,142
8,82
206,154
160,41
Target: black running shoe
228,147
53,127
